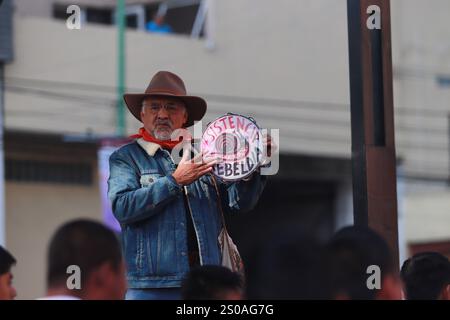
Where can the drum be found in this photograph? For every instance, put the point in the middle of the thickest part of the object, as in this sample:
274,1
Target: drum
236,141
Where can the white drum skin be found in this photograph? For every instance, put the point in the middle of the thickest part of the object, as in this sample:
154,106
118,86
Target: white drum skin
236,141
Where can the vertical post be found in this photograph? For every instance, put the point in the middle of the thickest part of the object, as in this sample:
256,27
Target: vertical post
120,19
359,178
6,55
2,159
372,118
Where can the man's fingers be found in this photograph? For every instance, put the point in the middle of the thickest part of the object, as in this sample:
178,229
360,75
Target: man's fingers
205,171
200,163
185,156
205,168
198,159
210,162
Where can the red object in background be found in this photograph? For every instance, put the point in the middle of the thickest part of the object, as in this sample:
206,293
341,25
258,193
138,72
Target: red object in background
442,247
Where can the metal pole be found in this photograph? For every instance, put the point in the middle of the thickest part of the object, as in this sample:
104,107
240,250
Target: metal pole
120,19
2,159
6,55
372,118
360,209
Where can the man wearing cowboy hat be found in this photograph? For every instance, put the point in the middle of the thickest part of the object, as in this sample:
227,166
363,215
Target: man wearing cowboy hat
168,213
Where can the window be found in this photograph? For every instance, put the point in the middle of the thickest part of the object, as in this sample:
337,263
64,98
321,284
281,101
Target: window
48,172
135,16
185,17
101,16
443,81
179,15
182,19
59,12
90,15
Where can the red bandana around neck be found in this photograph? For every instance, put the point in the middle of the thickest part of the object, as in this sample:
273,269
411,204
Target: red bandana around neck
165,144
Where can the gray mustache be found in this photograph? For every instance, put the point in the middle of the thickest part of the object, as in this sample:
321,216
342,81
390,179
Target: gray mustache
166,122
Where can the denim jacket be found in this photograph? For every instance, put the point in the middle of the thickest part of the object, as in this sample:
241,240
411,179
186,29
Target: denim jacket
148,203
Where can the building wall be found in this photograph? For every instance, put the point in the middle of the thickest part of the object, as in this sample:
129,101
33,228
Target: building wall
290,59
33,212
421,53
34,208
247,62
35,8
427,212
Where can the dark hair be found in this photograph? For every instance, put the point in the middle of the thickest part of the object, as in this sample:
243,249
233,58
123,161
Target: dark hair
84,243
209,282
425,275
351,251
290,265
6,260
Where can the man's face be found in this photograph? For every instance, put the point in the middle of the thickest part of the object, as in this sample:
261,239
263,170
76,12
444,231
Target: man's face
7,291
162,115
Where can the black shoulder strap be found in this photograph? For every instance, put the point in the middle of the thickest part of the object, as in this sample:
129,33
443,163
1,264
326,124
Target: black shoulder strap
219,201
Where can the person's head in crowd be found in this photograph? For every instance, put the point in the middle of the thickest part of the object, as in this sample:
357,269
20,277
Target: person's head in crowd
95,250
7,290
352,253
287,265
212,282
426,276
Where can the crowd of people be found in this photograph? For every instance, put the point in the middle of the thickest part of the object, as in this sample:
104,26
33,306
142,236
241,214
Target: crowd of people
291,266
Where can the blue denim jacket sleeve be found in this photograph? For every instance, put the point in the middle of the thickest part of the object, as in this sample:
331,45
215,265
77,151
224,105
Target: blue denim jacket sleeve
130,201
243,196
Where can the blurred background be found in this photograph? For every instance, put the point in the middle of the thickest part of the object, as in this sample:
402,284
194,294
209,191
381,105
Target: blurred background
283,62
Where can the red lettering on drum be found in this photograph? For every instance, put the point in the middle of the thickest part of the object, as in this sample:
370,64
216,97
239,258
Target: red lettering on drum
208,132
236,140
255,134
240,123
216,125
224,123
230,122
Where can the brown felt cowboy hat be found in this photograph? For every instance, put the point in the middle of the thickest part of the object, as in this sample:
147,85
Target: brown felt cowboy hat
168,84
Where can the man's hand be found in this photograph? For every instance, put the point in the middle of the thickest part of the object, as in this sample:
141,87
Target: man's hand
190,170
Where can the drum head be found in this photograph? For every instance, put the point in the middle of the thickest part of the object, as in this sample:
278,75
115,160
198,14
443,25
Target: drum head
237,142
